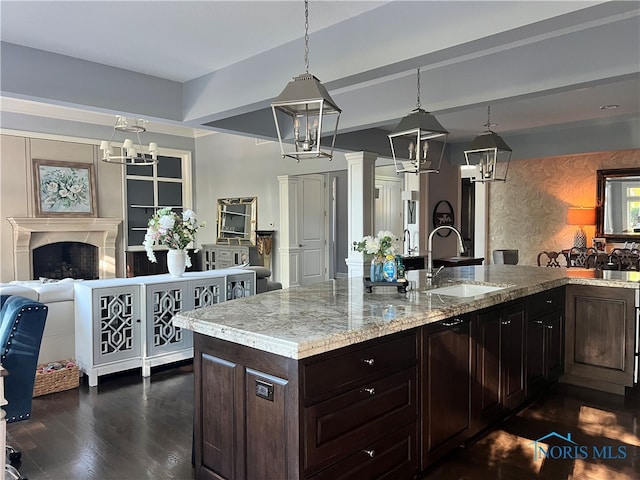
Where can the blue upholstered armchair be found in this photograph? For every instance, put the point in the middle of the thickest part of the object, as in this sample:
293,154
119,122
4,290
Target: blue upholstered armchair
22,323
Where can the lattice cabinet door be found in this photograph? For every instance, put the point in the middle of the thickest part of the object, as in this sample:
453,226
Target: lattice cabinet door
208,291
116,323
163,301
241,285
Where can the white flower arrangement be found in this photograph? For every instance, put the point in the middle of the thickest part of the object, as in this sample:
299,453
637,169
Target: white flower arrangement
168,228
383,244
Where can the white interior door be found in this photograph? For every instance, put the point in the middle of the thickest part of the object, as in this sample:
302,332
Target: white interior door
312,227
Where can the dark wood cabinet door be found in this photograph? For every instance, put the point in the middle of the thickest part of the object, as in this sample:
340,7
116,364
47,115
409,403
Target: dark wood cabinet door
536,333
513,355
266,425
600,337
217,456
446,387
554,346
485,403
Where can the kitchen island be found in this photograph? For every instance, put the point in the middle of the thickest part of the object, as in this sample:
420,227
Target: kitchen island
329,381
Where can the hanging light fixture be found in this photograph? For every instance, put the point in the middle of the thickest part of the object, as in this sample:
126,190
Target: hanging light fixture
490,152
131,153
309,111
417,143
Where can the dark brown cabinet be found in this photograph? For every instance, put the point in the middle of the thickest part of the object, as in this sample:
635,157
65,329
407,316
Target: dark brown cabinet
348,414
545,339
500,363
383,409
600,330
239,409
447,383
513,352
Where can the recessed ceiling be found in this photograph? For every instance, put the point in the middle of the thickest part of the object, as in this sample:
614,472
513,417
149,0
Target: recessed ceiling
538,64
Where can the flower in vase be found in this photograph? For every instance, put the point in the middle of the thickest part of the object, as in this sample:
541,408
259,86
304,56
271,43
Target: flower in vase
383,244
171,229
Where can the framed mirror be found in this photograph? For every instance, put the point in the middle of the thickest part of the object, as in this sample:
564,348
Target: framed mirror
618,207
237,221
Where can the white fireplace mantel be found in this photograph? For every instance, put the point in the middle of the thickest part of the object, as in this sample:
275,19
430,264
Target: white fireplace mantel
30,233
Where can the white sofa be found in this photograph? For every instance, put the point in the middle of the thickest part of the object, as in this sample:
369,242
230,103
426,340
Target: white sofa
58,341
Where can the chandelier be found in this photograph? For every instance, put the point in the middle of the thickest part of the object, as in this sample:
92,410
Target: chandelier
490,153
309,112
417,143
131,153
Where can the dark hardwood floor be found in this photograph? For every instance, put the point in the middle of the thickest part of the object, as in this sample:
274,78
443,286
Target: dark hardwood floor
132,428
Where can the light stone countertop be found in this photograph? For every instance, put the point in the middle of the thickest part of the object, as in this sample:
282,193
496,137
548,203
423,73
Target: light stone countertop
300,322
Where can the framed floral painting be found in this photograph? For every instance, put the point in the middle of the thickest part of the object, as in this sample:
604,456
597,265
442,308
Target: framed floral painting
64,189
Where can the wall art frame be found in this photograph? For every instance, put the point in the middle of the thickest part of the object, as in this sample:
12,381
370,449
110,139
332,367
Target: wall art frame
64,189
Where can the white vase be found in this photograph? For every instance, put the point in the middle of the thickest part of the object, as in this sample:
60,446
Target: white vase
176,262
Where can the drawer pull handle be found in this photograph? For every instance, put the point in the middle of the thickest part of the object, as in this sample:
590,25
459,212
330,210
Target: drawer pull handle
371,453
506,322
369,361
370,391
549,301
452,323
539,322
550,327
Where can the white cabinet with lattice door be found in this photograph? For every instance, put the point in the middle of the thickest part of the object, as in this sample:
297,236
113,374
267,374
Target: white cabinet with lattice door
126,323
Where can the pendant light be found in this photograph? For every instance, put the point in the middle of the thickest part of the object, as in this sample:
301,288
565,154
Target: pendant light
490,153
131,153
309,112
417,143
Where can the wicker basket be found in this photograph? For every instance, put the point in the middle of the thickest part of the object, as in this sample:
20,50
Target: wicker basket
56,380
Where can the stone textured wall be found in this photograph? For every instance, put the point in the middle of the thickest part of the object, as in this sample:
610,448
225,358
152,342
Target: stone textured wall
529,211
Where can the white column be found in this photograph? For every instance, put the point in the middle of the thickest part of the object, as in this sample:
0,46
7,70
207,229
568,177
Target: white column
361,178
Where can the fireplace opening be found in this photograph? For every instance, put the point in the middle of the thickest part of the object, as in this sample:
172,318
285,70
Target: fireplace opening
66,260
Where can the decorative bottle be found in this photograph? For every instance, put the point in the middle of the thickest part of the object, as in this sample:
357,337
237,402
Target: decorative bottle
400,266
390,269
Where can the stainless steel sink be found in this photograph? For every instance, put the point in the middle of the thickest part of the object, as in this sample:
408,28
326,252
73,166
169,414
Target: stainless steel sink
464,290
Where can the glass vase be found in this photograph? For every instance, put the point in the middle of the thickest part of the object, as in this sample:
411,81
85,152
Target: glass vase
376,270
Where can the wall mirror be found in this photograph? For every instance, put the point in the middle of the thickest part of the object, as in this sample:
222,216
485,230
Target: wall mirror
618,207
237,221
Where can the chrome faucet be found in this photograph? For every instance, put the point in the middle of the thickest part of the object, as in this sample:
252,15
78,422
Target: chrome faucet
430,273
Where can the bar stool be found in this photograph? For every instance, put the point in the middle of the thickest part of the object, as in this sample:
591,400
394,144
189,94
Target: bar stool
505,257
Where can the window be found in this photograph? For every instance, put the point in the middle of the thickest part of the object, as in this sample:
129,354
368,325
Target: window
633,209
166,184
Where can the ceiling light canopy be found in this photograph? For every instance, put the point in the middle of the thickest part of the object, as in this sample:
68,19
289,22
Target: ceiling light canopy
490,153
417,143
309,112
130,153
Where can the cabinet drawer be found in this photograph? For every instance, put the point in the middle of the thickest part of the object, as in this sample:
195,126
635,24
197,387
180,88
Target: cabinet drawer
545,302
343,372
222,254
348,422
224,264
390,458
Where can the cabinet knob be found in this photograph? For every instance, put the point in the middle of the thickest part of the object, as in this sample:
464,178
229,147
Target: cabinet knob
371,453
550,327
368,361
506,322
138,320
549,301
370,391
539,322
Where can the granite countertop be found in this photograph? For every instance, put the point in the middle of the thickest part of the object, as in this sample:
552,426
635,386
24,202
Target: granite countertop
300,322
